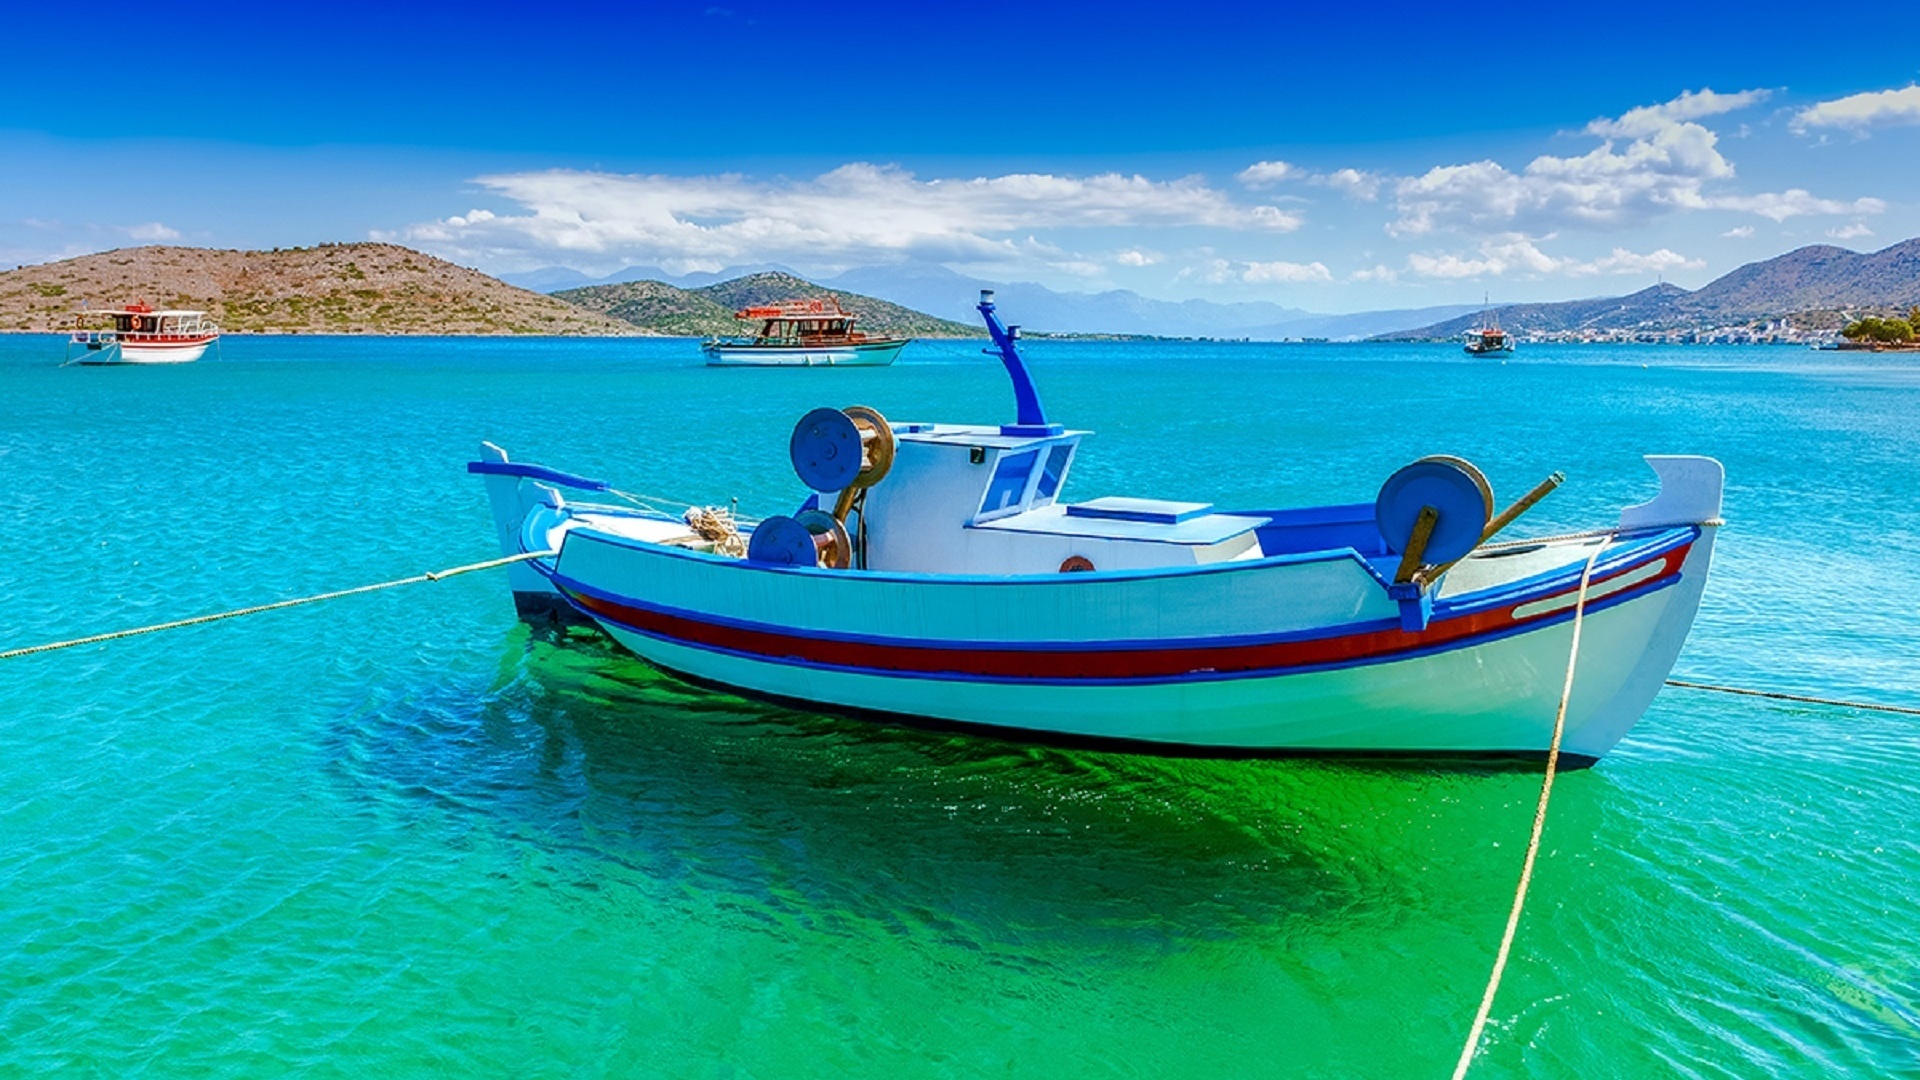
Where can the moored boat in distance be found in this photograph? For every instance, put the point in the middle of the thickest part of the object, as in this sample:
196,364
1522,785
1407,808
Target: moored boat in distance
803,333
141,335
937,573
1488,337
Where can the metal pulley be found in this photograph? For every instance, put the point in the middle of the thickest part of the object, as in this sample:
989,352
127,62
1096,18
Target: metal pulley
814,538
839,449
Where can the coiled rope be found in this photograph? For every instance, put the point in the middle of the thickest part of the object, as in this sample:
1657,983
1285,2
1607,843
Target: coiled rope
1539,825
432,575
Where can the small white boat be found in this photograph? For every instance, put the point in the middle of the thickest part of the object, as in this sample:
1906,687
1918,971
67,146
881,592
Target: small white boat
937,574
803,333
141,335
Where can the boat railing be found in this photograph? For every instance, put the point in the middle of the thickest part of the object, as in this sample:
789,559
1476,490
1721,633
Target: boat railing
197,329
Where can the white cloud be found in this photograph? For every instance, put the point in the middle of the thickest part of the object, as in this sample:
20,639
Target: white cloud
1622,261
1265,173
1079,267
1222,271
152,230
1353,182
1385,274
1364,186
1858,112
1738,232
1264,273
1654,160
1850,232
1137,257
856,214
1213,272
1793,202
1519,255
1649,120
1277,219
1449,265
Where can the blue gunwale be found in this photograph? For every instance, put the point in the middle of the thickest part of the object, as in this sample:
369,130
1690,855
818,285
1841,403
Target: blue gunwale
1656,539
570,587
1528,626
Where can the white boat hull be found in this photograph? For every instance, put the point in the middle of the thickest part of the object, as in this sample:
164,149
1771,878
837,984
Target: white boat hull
127,352
1495,694
878,354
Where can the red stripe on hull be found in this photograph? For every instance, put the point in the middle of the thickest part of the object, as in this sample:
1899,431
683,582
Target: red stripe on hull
1117,663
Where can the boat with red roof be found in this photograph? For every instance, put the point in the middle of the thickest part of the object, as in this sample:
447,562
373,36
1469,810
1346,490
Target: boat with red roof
803,333
142,335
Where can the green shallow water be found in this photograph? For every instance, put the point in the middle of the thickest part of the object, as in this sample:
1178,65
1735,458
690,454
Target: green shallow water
401,834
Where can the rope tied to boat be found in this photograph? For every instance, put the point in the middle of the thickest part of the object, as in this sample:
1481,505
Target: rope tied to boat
1539,823
431,575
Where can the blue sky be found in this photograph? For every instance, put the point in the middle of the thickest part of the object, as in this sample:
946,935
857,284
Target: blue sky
1331,157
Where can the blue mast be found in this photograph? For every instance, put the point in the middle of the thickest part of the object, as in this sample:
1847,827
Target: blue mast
1031,418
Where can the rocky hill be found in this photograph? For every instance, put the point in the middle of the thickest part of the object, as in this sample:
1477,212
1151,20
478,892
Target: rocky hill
664,309
333,289
1821,277
1817,286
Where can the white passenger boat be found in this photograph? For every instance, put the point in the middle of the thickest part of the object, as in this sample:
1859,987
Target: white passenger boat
938,574
141,335
803,333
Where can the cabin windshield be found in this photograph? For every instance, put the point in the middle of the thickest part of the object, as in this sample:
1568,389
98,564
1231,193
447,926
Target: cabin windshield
805,329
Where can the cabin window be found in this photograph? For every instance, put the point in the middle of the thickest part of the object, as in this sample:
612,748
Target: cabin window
1009,484
1054,472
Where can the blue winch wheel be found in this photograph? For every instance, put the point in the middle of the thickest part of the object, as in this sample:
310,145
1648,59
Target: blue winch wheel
826,450
814,538
1451,486
782,541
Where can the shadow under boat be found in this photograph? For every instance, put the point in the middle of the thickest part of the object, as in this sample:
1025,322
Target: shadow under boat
590,754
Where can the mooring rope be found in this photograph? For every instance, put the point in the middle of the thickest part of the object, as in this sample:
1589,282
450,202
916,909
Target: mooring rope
432,575
1776,695
1539,826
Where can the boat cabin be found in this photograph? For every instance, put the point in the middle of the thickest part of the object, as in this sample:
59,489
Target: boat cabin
969,499
142,319
802,322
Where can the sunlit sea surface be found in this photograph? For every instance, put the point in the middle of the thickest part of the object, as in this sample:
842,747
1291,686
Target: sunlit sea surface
402,835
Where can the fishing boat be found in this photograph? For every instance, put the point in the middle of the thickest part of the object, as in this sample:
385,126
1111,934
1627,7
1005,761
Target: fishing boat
937,574
803,333
141,335
1488,337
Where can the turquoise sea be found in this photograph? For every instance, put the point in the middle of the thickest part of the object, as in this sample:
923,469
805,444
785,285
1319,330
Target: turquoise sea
402,835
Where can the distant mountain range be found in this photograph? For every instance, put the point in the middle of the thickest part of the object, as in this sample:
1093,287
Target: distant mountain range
553,279
659,307
386,289
1817,286
950,295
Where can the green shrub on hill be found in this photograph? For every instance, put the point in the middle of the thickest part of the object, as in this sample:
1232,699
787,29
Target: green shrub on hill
1883,331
